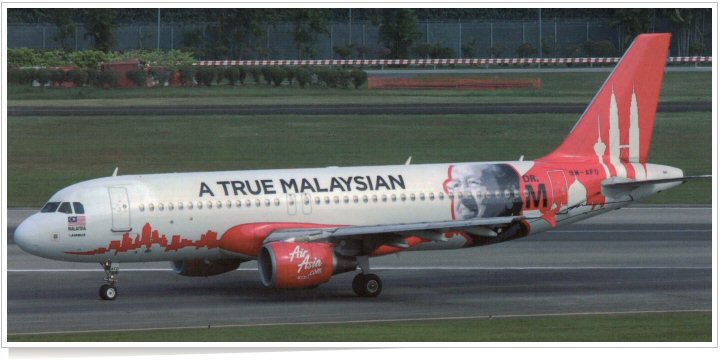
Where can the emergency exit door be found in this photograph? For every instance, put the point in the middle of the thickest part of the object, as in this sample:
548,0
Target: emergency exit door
120,208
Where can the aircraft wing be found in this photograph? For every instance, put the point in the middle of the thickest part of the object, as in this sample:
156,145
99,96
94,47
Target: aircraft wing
482,225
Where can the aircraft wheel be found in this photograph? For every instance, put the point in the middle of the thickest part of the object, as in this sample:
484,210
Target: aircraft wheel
367,285
108,292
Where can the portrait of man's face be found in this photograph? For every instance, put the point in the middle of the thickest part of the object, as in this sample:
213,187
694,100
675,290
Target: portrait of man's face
475,189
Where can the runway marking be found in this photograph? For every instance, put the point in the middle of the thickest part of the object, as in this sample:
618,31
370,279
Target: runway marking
472,317
397,268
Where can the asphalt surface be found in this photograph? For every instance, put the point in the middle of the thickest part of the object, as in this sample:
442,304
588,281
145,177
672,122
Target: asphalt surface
417,109
631,260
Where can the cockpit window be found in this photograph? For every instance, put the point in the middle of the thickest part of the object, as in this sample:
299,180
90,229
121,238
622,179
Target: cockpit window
79,208
65,208
50,207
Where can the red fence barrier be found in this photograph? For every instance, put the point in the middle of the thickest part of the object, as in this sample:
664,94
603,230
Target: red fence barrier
508,61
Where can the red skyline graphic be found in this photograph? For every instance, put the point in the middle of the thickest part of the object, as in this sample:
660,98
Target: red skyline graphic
149,237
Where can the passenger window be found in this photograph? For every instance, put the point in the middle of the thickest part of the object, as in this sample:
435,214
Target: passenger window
441,196
431,196
190,205
412,196
228,204
327,199
50,207
402,196
422,196
267,202
65,208
257,202
161,207
170,206
180,205
151,207
238,203
384,198
79,208
277,202
142,207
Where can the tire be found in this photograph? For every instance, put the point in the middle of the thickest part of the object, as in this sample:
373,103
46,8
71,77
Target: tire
108,292
372,286
358,284
367,285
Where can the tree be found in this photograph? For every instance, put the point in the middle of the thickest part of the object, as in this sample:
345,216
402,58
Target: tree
307,25
99,24
631,23
398,31
65,26
690,27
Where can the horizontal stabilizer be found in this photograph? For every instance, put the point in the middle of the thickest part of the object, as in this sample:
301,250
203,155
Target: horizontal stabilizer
624,183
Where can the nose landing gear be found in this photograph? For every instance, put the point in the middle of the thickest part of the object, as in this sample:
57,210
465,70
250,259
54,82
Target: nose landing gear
108,290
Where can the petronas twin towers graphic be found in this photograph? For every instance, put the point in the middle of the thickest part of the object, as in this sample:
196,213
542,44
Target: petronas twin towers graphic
616,158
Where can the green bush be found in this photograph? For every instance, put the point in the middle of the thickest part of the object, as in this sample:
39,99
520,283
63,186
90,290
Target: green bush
303,76
92,75
290,74
220,75
242,73
42,76
359,77
57,76
160,75
78,76
232,74
20,76
277,75
526,50
107,78
266,72
138,77
255,74
342,77
205,75
187,74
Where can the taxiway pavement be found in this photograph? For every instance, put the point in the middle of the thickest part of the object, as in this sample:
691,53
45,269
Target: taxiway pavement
631,260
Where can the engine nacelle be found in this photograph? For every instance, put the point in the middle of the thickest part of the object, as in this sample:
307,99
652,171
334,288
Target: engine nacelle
300,265
206,268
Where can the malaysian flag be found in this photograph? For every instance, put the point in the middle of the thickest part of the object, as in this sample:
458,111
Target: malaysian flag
76,220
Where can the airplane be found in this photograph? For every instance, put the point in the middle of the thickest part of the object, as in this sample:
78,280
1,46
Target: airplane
305,225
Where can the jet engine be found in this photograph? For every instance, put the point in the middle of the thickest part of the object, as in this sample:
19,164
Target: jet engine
205,267
300,265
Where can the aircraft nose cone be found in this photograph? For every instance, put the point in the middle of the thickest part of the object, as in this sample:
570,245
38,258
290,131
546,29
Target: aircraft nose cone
26,235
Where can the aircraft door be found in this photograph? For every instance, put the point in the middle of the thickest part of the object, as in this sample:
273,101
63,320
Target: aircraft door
558,191
120,208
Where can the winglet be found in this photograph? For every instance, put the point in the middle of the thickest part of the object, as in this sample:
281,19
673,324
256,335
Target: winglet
115,172
407,162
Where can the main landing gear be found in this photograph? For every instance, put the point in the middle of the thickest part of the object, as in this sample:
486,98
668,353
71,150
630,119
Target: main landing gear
108,290
364,284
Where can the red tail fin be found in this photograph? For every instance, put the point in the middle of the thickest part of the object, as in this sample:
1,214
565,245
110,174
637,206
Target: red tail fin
617,125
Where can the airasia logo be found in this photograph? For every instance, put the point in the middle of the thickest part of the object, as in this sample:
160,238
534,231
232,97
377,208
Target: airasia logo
313,267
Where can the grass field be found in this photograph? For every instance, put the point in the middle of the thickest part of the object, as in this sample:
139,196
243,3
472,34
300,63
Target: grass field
48,153
556,88
652,327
